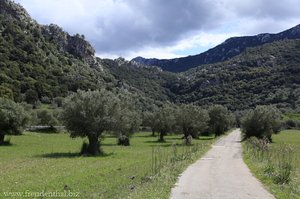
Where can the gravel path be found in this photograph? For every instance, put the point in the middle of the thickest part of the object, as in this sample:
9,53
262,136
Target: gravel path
220,174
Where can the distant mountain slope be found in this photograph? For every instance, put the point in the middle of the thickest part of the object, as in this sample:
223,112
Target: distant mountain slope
228,49
268,74
151,81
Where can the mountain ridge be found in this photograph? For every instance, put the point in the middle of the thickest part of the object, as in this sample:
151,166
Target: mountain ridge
229,48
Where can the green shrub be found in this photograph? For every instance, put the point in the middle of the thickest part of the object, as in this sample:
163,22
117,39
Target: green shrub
46,117
123,140
58,101
13,118
6,92
290,124
31,96
262,122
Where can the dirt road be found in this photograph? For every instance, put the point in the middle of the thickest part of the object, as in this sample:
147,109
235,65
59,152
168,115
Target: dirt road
220,174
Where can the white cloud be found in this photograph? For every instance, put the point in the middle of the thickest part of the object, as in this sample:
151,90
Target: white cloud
200,41
204,39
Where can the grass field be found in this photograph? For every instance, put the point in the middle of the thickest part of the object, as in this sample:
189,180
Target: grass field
291,116
38,163
285,191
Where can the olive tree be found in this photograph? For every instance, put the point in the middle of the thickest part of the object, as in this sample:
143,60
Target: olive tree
149,121
127,120
164,121
13,118
190,120
221,119
89,114
261,122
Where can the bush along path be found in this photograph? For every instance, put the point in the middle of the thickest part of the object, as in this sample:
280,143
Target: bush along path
220,174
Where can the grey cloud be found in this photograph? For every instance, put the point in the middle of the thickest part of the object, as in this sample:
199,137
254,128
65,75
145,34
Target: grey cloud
277,10
155,22
123,26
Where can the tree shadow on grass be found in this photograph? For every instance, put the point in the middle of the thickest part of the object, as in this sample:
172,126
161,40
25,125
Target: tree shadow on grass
6,143
200,138
109,144
60,155
206,138
146,136
155,141
167,142
157,145
72,155
178,138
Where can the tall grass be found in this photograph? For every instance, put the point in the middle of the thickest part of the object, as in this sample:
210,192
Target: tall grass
169,157
278,163
166,164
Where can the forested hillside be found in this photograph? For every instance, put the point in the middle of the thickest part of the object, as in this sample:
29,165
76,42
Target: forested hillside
43,61
268,74
151,81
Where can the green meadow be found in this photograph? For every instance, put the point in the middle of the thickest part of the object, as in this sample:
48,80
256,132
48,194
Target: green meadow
38,163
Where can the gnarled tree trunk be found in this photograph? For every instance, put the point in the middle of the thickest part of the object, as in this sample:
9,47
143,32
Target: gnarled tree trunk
94,145
1,138
153,132
161,136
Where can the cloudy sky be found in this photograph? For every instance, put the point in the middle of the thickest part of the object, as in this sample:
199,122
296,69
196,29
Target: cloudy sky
163,28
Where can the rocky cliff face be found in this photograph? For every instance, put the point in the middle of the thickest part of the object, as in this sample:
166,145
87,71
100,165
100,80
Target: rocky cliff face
228,49
75,45
10,9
